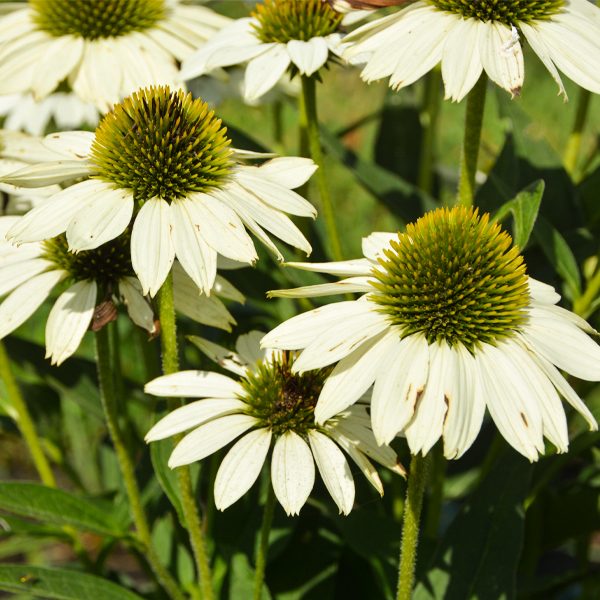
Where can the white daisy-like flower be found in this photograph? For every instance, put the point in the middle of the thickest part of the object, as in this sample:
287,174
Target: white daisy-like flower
469,37
30,272
269,406
281,34
449,323
17,150
162,159
105,49
67,111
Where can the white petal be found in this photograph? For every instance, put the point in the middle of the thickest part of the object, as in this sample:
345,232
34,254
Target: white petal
241,467
152,252
69,319
308,56
343,268
209,438
17,272
52,217
398,387
292,472
359,285
222,356
264,71
24,301
71,144
542,292
290,171
194,384
139,308
103,218
224,289
334,470
197,258
354,375
49,173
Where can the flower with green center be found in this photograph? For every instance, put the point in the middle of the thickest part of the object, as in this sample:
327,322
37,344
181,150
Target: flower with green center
94,280
449,324
104,49
469,37
270,406
300,35
163,160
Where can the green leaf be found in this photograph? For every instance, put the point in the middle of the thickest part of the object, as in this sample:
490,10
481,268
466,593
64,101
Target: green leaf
55,506
159,453
478,556
559,254
524,208
10,525
60,584
241,579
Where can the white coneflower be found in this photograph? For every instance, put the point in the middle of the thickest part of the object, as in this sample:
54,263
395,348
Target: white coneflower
17,150
164,160
449,323
299,34
270,406
469,37
105,49
29,273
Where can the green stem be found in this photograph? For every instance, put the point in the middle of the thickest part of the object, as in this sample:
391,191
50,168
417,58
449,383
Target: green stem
574,143
263,548
470,152
429,117
109,402
309,94
582,304
170,361
436,490
278,127
410,528
24,420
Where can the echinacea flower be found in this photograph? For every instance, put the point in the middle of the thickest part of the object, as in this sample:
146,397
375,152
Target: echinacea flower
449,323
163,160
469,37
270,407
299,34
94,278
105,49
17,150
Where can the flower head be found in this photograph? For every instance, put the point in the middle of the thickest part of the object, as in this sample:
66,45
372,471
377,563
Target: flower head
163,160
94,279
469,37
105,49
282,34
449,323
273,404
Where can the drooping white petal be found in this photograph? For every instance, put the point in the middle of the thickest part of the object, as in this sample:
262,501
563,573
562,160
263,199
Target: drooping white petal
194,384
361,285
44,174
343,268
24,301
102,219
52,217
289,171
308,56
71,144
398,387
224,289
139,308
152,252
354,375
264,71
209,438
222,356
241,467
334,470
292,472
69,319
17,272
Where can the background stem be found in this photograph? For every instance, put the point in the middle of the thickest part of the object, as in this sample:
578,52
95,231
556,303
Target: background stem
170,362
470,152
429,117
410,529
263,548
574,143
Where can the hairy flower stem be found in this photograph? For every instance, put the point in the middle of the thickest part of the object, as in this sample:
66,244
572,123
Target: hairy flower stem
109,402
470,152
170,361
437,475
263,549
24,420
309,94
574,143
429,117
410,528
